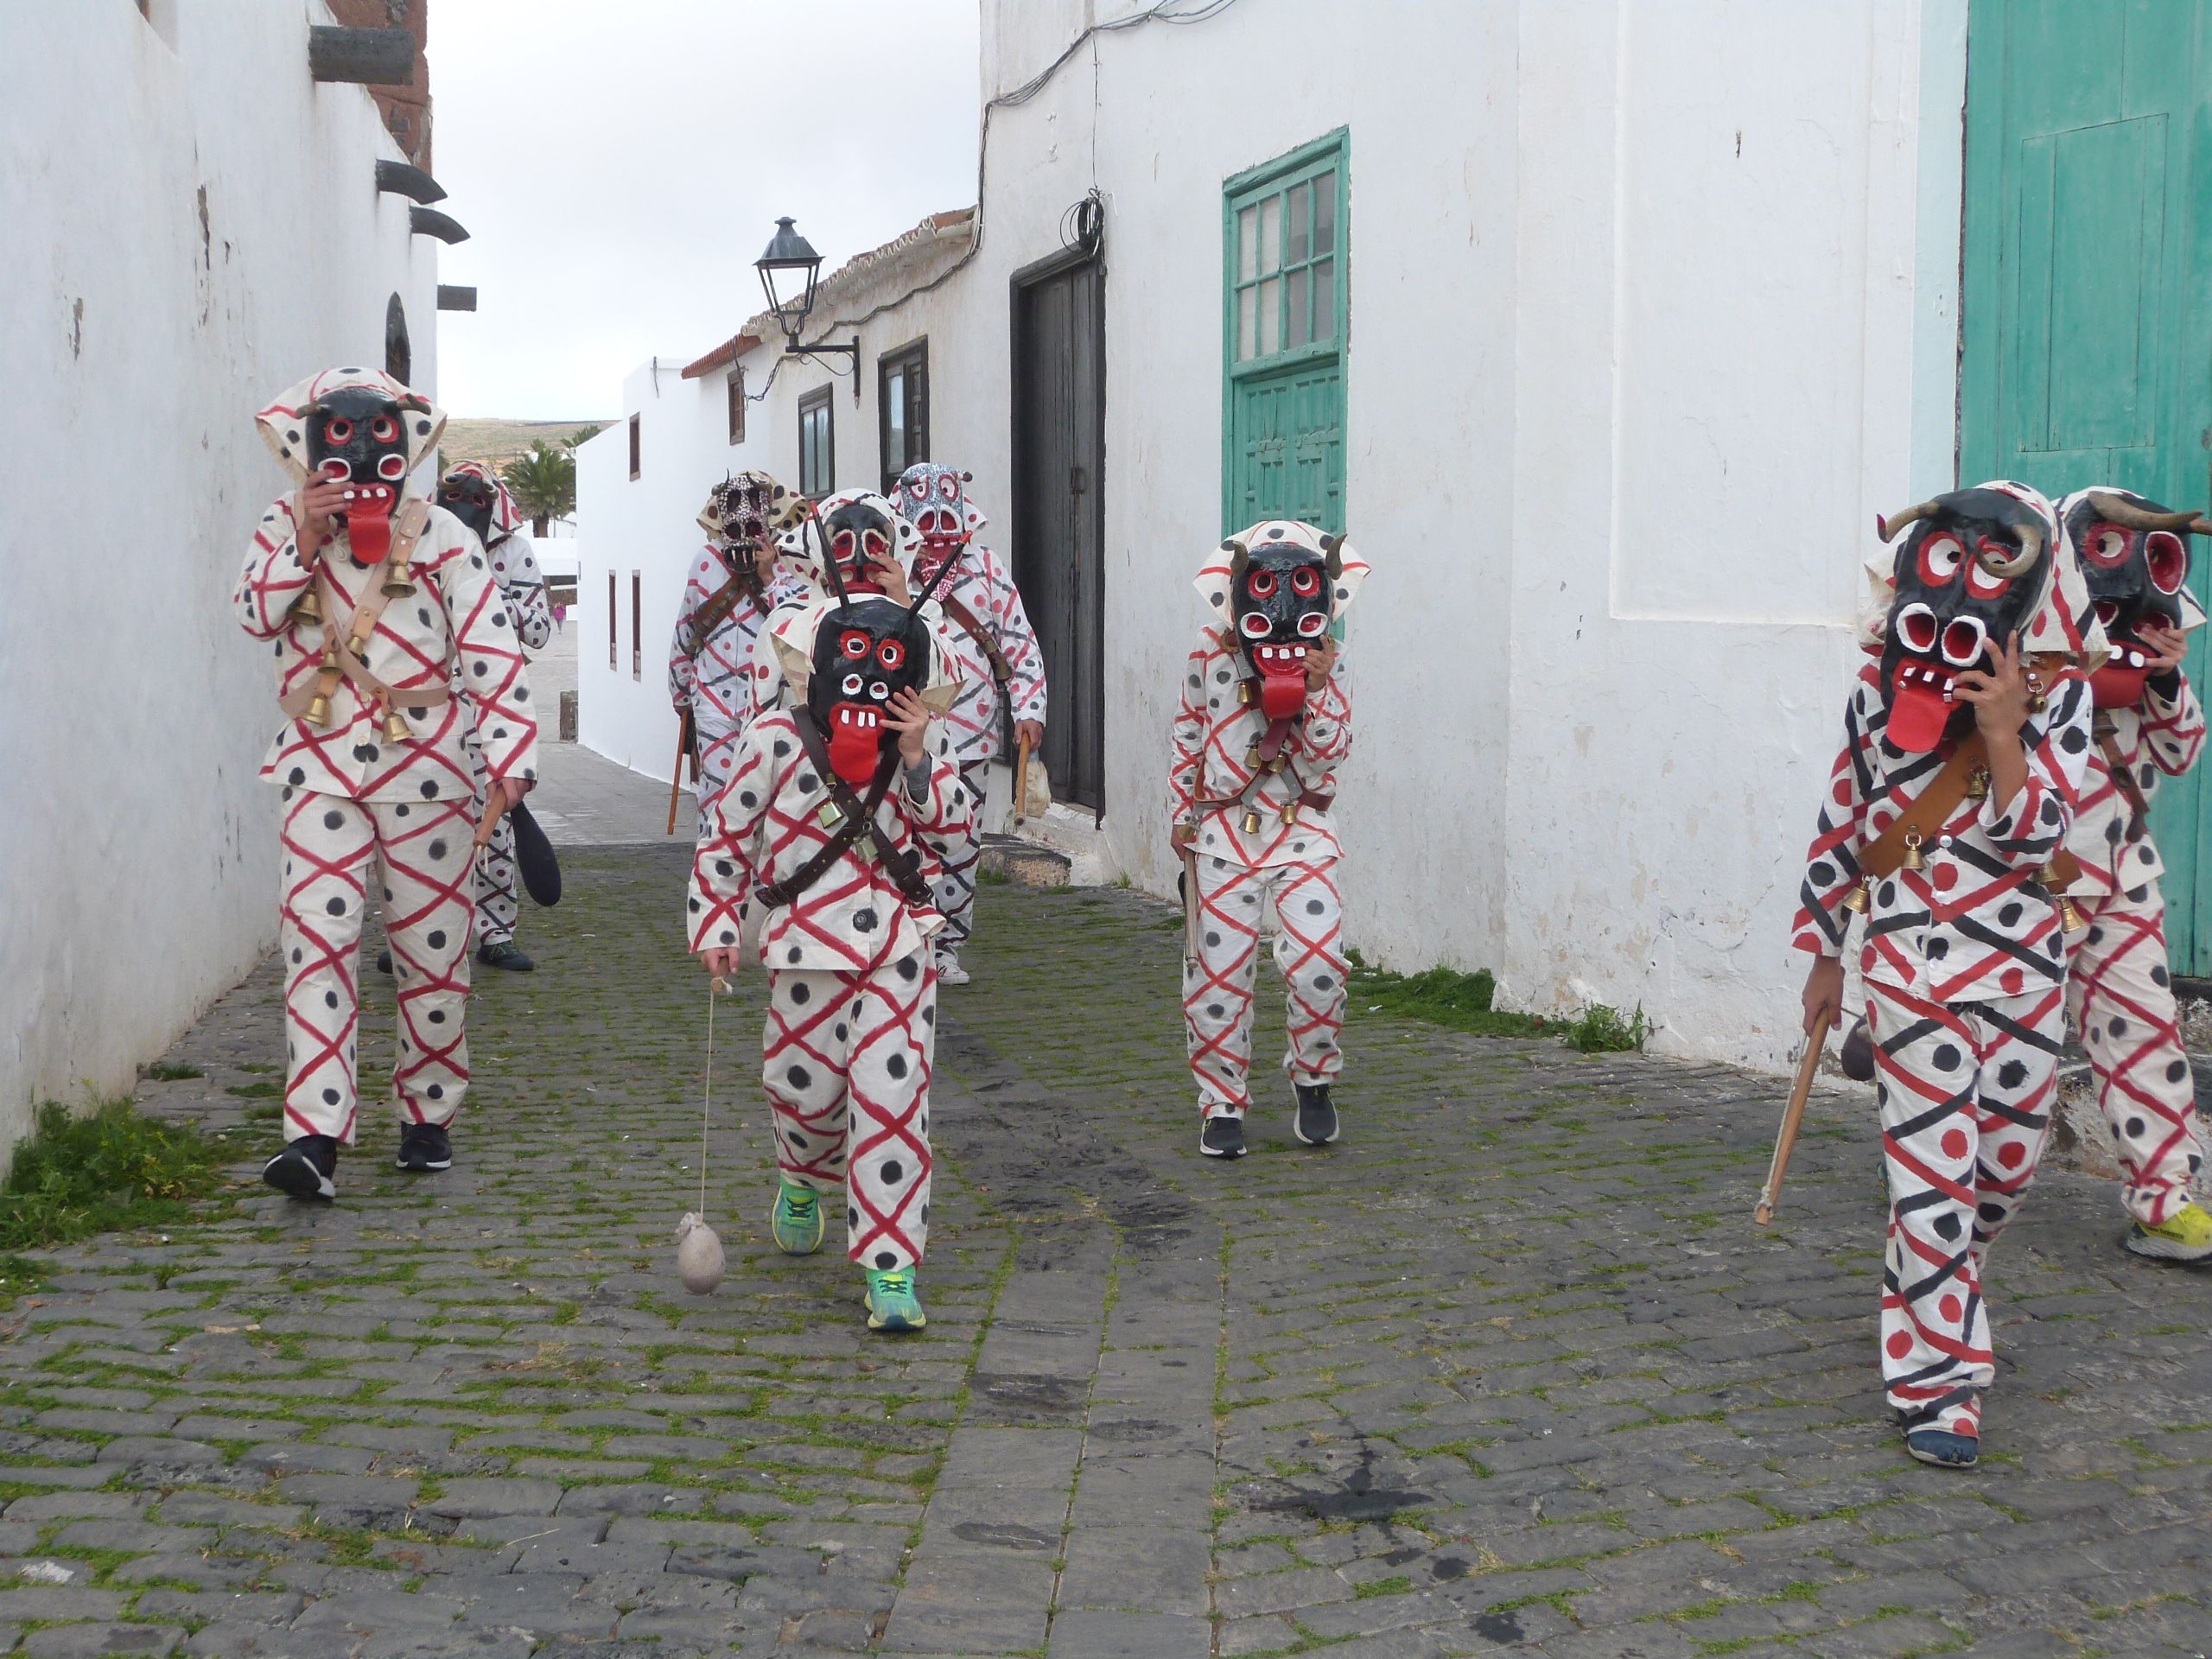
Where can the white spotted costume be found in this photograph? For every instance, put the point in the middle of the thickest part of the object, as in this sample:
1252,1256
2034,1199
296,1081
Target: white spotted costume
1964,959
514,567
850,1037
360,806
1002,667
1265,835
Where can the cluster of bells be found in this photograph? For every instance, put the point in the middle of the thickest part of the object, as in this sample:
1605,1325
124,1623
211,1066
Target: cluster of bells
1254,761
399,582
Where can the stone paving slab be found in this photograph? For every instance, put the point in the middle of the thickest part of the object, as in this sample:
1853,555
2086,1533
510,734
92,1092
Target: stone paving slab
1507,1370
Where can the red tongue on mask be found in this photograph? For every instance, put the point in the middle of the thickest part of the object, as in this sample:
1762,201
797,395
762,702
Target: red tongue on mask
2114,687
1919,714
368,523
1282,690
853,748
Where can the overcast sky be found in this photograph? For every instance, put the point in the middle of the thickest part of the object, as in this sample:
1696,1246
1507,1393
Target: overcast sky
619,167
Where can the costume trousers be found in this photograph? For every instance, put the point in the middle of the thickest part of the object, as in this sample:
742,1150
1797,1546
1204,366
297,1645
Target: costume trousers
1965,1091
846,1064
1217,987
424,849
2121,996
956,884
497,904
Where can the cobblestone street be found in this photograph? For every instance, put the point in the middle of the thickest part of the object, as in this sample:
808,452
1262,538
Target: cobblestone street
1508,1370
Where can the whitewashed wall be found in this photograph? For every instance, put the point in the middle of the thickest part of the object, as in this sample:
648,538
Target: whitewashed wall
1653,308
192,226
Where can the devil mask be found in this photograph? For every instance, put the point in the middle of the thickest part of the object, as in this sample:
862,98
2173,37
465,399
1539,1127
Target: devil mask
362,429
472,498
835,545
865,653
2134,556
1278,586
934,499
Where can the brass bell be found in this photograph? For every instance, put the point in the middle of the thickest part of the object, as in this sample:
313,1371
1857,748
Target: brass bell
1289,813
1978,784
2037,701
2069,913
1856,901
1251,820
307,608
1913,861
1252,758
1243,692
318,712
399,580
395,725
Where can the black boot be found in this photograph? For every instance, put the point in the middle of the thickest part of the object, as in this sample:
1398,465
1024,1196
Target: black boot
425,1147
1223,1136
307,1168
507,956
1316,1123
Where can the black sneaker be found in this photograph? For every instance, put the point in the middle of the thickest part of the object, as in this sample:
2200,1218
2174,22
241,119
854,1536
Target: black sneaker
508,957
307,1168
1223,1136
1316,1123
384,960
425,1147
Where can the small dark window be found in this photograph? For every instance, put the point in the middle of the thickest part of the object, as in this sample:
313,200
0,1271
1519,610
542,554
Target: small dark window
614,657
817,445
636,624
633,445
902,409
737,405
398,355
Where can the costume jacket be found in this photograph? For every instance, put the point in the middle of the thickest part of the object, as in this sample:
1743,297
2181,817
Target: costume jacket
979,584
1214,731
2160,737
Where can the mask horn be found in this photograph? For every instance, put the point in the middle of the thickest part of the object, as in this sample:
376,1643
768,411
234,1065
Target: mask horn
2120,510
2031,550
1887,528
829,560
1332,549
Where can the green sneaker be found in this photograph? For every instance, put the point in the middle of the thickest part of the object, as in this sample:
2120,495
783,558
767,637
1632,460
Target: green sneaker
2185,1236
892,1304
796,1218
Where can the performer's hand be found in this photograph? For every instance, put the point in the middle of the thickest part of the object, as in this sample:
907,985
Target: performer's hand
1320,658
322,499
1031,732
909,716
1999,694
513,789
764,559
1183,837
891,578
1823,993
721,963
2168,646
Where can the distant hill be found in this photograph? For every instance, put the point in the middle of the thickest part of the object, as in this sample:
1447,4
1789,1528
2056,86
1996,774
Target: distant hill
499,442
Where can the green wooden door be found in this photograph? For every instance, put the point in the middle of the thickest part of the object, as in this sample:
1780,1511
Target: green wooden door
2087,333
1283,335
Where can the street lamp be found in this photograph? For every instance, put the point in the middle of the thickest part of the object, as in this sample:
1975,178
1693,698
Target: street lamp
790,269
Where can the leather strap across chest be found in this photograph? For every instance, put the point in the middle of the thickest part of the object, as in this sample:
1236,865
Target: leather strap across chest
1002,670
342,659
2123,775
1925,816
858,819
741,585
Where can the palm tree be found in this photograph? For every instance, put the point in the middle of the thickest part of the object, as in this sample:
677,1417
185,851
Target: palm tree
584,434
543,483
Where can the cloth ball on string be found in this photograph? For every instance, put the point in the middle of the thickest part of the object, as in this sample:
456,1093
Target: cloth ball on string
698,1255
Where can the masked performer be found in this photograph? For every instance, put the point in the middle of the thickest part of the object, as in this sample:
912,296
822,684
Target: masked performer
2134,556
1945,823
1002,670
373,597
1265,720
829,804
735,583
474,494
848,546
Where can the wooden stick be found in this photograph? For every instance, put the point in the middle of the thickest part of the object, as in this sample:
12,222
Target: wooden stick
1021,778
675,775
1189,904
1793,1119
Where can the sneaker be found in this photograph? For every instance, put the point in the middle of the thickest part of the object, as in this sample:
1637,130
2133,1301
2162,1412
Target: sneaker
425,1147
384,960
1942,1448
892,1304
2185,1236
1223,1136
1316,1123
504,954
949,971
307,1168
795,1218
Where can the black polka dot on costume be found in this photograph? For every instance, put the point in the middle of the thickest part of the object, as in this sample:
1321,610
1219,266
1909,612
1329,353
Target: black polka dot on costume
908,967
298,775
792,954
808,780
852,1217
844,1030
429,789
437,1016
729,937
336,907
1888,895
891,1170
438,849
1939,948
723,867
691,905
1947,1225
1946,1058
896,1066
2159,976
2012,1074
800,994
2176,1069
436,940
747,797
2119,1025
884,1261
2134,1129
1821,873
1324,981
2009,916
800,1076
1213,938
435,1091
296,953
2074,740
333,820
330,1096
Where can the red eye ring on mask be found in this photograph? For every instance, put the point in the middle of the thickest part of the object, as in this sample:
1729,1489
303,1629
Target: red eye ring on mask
383,428
1255,626
451,493
1313,625
1261,584
1965,641
337,430
2166,555
1305,581
874,544
853,645
1940,557
392,468
852,685
2106,544
1917,629
892,654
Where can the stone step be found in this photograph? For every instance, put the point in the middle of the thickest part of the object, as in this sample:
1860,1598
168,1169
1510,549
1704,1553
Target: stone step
1026,863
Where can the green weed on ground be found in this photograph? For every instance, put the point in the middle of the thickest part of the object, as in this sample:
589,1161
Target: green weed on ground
1443,996
1600,1030
112,1167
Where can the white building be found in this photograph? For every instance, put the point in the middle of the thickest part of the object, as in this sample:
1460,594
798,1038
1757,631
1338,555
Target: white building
193,224
1605,327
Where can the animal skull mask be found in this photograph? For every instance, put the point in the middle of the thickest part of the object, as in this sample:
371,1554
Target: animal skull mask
2134,556
934,499
748,506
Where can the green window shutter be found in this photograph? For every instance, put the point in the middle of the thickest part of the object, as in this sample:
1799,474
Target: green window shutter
1286,254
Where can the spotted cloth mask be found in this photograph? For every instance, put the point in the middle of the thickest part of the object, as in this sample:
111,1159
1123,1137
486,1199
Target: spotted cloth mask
748,506
1280,587
2133,556
362,429
1973,568
934,499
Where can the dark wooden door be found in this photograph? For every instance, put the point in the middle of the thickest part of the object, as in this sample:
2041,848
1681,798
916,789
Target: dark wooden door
1058,551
